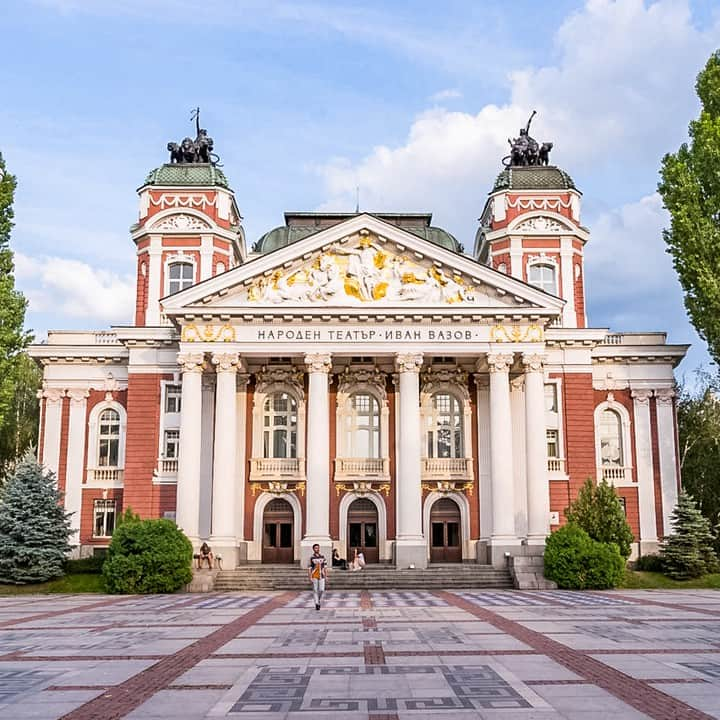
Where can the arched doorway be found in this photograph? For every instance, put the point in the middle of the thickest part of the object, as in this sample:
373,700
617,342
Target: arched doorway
278,532
363,530
445,540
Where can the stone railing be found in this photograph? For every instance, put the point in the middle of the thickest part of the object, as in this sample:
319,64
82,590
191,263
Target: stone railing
168,466
369,468
614,473
556,465
105,475
106,337
447,469
274,468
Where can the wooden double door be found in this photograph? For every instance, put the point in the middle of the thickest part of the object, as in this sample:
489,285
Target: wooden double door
445,538
362,530
278,532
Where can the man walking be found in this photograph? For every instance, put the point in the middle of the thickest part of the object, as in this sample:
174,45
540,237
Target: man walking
317,572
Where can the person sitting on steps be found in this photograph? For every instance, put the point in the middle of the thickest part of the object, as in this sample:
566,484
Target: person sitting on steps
205,554
337,561
358,561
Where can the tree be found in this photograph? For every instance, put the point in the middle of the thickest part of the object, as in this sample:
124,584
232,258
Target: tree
598,511
699,441
34,527
690,189
13,338
688,551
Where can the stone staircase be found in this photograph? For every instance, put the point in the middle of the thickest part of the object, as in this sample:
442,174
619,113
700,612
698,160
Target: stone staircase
372,577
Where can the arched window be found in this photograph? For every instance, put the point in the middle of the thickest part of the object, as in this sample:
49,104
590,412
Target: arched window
108,439
445,427
280,426
543,276
609,430
362,426
180,276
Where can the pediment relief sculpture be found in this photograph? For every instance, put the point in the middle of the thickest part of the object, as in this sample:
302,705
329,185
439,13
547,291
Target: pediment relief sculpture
541,224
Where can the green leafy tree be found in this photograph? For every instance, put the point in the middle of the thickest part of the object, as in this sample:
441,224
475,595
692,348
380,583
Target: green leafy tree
690,189
688,551
598,511
34,527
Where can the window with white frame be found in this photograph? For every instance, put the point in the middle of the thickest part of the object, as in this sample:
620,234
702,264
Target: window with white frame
173,394
553,444
609,429
280,426
362,426
103,518
551,401
171,444
543,276
444,424
180,276
108,439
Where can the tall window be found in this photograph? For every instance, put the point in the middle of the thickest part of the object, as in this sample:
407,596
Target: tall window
180,276
172,398
103,518
610,435
171,444
362,427
280,426
109,438
543,277
553,447
551,403
445,427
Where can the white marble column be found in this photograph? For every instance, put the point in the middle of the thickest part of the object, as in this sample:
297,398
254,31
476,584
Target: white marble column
317,494
410,545
668,456
50,455
538,490
501,456
241,404
188,481
207,434
484,477
645,474
77,431
224,512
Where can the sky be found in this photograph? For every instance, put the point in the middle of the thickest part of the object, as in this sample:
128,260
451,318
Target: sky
411,100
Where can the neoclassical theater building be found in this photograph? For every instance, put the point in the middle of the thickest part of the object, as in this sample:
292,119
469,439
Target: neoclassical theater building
359,381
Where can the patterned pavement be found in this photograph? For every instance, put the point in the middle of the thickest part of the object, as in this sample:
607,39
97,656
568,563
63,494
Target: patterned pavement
498,655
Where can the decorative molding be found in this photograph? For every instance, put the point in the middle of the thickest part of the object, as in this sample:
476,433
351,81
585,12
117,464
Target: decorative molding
664,396
541,224
171,200
241,380
362,487
191,362
500,362
610,384
318,362
544,203
533,362
642,397
207,333
78,396
408,362
350,379
448,486
482,381
110,386
434,379
225,362
277,487
181,222
52,395
269,376
516,333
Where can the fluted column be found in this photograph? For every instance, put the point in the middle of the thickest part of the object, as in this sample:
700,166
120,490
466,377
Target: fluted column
411,548
501,458
645,473
317,495
538,491
224,512
187,513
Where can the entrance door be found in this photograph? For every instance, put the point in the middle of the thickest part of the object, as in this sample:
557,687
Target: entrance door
363,530
445,543
278,532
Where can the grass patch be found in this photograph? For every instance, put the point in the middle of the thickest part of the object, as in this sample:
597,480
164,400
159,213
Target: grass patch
639,580
74,583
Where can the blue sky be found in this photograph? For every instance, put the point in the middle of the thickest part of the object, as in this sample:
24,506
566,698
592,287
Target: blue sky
410,100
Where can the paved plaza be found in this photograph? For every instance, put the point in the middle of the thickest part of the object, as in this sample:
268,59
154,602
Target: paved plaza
463,654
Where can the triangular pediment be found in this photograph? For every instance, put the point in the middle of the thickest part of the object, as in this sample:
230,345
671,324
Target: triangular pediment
361,264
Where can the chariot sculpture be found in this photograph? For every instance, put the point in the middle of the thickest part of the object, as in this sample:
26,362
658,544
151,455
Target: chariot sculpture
525,150
199,150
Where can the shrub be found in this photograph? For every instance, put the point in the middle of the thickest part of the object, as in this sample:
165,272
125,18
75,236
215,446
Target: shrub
649,563
577,562
598,511
92,564
688,552
147,556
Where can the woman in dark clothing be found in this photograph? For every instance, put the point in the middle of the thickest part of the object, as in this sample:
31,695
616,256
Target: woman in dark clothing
337,561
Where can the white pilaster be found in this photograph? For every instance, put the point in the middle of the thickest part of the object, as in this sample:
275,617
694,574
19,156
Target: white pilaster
152,314
485,494
501,458
51,432
568,282
224,512
410,545
538,490
644,467
317,498
241,404
668,457
517,414
206,256
516,258
188,481
207,434
77,430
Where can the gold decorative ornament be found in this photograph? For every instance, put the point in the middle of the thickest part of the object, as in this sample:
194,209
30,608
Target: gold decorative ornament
516,333
207,333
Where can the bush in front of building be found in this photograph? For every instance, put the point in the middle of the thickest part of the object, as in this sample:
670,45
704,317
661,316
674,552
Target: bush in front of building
688,551
649,563
147,556
598,511
577,562
34,527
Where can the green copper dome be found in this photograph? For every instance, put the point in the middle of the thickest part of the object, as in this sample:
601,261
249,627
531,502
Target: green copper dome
187,174
533,177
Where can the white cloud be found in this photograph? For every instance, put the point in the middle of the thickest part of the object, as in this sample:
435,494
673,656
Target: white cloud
74,288
448,94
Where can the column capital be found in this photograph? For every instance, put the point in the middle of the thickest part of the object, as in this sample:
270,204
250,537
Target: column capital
52,395
533,362
641,397
500,362
482,380
225,362
241,380
191,362
318,362
78,395
408,362
665,396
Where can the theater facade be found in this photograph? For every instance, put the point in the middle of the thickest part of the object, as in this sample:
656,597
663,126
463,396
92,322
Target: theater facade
359,381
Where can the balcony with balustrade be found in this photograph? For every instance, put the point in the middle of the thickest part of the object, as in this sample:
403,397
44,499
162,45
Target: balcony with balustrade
443,468
166,470
615,474
277,469
105,477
